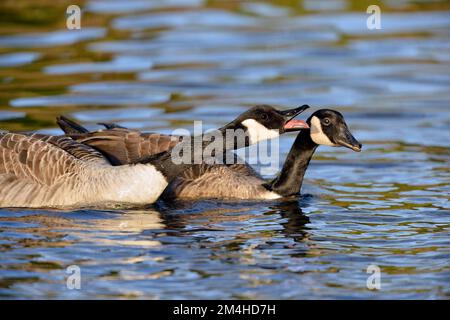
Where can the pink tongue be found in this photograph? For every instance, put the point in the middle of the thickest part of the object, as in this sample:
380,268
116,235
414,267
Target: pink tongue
296,124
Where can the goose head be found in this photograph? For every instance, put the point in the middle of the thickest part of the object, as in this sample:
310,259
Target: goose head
264,122
328,127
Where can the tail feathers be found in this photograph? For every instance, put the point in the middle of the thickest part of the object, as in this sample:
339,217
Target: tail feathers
69,126
108,125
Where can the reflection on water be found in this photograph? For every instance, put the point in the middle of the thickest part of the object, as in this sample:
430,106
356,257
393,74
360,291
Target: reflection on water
159,65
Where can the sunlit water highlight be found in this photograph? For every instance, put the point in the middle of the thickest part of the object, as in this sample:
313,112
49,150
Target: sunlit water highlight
159,65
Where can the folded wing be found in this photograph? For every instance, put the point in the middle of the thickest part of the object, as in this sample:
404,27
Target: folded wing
39,169
122,146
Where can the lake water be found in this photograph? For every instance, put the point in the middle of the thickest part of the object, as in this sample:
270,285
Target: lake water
160,65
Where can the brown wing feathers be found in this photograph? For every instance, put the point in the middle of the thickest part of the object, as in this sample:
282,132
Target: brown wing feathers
38,170
119,145
42,158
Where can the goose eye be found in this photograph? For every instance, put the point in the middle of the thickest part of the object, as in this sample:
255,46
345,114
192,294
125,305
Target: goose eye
326,121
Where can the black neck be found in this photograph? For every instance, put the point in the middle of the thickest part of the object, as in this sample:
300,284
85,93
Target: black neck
290,179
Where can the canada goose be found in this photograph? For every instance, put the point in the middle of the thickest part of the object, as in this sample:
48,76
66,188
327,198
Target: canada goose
48,171
235,181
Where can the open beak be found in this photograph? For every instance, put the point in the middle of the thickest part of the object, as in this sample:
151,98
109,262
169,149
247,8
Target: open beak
291,124
295,125
346,139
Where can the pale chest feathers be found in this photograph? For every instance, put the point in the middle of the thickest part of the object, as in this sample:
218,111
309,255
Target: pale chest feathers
269,195
138,184
317,134
257,132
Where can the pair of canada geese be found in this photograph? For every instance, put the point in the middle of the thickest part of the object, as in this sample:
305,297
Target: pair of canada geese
122,166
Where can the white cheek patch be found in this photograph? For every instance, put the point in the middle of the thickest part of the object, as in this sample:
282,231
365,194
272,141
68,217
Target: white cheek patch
317,134
257,132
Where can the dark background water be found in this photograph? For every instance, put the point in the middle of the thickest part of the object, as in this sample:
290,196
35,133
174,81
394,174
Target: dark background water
159,65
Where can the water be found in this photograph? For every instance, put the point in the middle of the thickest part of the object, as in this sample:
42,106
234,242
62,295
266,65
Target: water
159,65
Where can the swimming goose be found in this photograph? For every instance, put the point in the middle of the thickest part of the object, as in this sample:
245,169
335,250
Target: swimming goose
47,171
236,181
